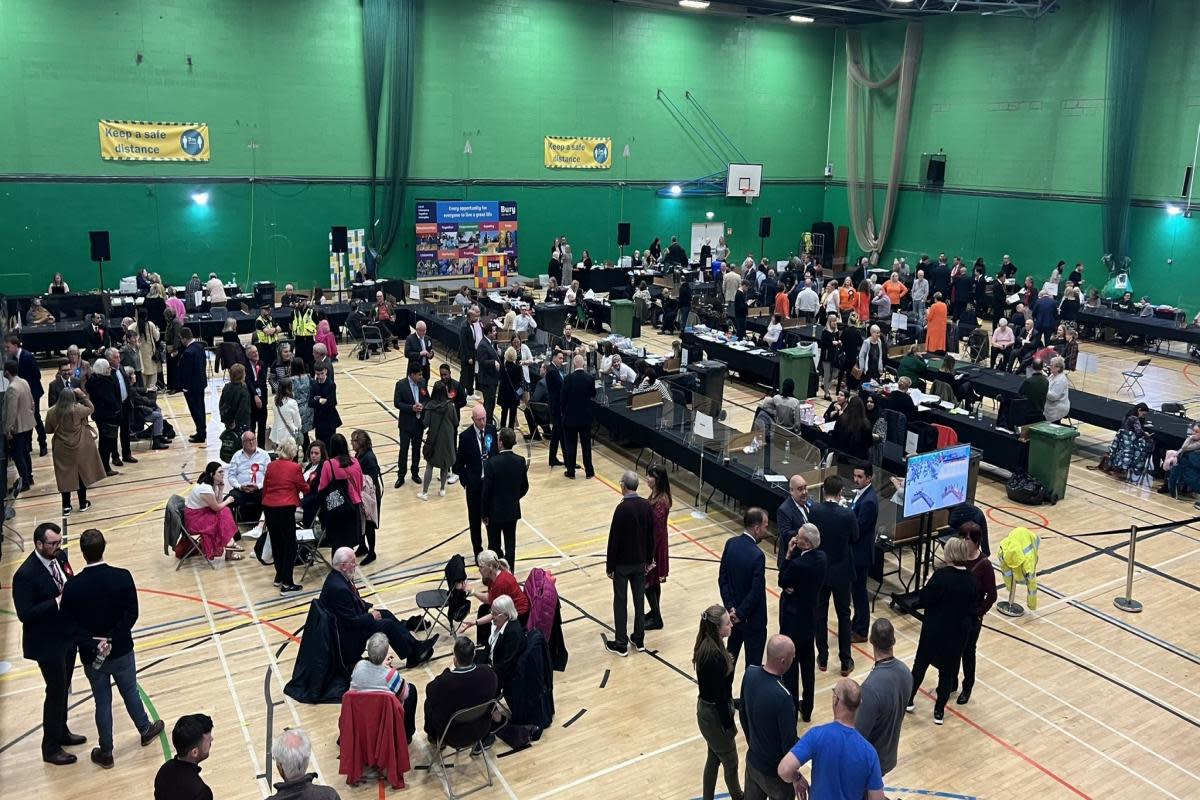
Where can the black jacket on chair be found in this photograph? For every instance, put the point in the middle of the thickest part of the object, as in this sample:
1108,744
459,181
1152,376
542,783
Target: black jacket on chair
44,633
319,675
468,466
101,601
577,392
505,482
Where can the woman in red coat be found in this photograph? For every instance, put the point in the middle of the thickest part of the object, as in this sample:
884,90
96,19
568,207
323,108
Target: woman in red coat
660,503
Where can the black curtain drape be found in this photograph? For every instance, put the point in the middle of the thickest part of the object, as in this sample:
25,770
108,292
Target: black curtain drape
389,54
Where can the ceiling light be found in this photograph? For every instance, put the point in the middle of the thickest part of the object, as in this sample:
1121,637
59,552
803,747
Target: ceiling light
801,19
676,189
1174,211
709,214
903,2
701,4
200,198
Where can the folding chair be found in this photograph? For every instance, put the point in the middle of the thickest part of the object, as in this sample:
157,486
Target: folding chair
1141,472
446,605
979,346
1133,378
174,514
308,547
371,337
582,318
474,717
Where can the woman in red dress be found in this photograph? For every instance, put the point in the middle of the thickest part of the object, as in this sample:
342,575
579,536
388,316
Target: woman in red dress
660,503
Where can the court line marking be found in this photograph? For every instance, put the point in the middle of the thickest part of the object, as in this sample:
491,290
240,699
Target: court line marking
615,767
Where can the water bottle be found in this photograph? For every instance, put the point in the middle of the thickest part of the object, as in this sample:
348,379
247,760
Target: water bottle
979,411
787,451
98,661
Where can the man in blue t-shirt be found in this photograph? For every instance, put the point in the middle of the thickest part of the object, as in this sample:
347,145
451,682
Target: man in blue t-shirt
844,765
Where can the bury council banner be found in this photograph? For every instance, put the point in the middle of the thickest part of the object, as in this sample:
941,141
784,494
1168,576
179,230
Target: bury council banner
578,152
122,140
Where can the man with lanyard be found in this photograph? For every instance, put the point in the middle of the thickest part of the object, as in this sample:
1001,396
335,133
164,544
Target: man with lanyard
303,330
476,445
266,334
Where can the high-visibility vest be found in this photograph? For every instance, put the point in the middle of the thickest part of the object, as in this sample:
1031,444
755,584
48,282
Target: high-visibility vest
303,325
261,337
1018,562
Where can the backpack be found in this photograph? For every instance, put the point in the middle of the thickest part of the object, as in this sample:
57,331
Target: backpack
543,600
1028,490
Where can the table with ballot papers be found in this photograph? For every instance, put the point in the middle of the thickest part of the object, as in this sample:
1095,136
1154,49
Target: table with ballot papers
750,361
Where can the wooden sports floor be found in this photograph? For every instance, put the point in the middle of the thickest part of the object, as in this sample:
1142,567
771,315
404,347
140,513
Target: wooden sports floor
1075,700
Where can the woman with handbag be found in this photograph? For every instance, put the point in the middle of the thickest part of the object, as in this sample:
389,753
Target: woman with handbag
340,489
512,389
441,436
286,427
102,391
372,502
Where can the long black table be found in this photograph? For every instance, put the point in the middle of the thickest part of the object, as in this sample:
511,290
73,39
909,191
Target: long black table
1128,324
762,369
603,279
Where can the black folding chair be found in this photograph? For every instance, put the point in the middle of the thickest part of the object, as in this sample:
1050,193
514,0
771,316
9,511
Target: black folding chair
455,736
447,605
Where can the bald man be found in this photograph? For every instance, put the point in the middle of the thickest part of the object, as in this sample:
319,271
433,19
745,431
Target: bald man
844,763
476,445
577,392
769,721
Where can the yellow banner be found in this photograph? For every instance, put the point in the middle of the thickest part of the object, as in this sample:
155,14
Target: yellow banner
578,152
153,141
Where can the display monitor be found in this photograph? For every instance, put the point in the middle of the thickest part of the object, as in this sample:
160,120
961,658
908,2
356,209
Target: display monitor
936,480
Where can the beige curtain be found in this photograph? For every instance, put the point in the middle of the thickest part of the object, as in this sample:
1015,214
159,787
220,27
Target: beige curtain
870,234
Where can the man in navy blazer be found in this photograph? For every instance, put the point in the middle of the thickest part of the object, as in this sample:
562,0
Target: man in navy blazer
409,399
800,581
193,379
839,531
27,368
554,387
791,515
743,583
37,586
866,513
476,445
578,390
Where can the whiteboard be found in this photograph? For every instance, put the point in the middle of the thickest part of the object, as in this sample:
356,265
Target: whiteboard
705,230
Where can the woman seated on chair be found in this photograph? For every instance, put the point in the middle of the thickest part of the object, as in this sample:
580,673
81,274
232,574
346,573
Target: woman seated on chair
1183,466
317,456
206,514
498,581
964,391
1058,392
554,292
377,673
1132,445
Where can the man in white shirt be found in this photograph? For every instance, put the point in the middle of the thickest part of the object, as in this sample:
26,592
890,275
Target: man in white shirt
216,290
245,475
807,302
622,372
525,324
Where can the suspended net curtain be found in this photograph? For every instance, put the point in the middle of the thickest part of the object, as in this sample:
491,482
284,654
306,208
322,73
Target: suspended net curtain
861,97
389,53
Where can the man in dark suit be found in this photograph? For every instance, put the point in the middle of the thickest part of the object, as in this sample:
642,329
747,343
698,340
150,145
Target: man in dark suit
256,382
487,369
866,514
124,389
554,387
356,620
476,445
630,556
27,368
577,392
791,515
505,482
939,277
63,379
469,337
418,349
193,379
37,586
800,580
743,584
100,607
839,531
409,398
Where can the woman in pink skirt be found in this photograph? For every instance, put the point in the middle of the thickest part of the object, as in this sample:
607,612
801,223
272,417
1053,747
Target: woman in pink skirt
206,514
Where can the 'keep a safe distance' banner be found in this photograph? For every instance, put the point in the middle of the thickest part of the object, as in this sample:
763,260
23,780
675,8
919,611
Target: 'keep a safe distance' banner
153,141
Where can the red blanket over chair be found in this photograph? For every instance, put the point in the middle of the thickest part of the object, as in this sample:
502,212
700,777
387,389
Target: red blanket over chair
372,734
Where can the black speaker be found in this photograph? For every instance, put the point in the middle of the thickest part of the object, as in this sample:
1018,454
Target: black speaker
1187,181
764,228
100,251
622,234
935,170
338,235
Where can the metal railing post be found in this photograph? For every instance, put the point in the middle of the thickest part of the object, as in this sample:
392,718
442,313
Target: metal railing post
1127,603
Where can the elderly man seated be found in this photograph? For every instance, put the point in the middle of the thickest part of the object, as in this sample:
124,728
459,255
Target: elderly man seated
356,620
37,314
291,752
462,686
146,421
376,673
244,477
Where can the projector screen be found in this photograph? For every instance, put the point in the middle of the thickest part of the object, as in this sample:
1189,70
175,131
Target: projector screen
936,480
744,180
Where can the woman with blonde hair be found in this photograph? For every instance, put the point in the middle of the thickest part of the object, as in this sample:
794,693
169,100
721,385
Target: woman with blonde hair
512,388
499,581
714,708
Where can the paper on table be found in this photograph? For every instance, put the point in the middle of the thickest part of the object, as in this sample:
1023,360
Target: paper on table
776,478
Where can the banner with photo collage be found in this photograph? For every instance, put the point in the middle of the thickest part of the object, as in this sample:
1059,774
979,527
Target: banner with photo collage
452,234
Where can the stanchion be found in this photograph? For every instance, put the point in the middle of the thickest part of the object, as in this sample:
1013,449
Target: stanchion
1127,603
1008,607
698,513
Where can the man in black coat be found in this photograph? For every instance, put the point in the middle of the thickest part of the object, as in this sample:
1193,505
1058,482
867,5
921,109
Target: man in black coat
37,586
939,277
27,368
743,586
505,482
866,514
124,394
487,369
409,398
800,580
193,379
100,608
418,349
256,381
554,387
577,392
630,555
476,445
839,531
356,620
469,336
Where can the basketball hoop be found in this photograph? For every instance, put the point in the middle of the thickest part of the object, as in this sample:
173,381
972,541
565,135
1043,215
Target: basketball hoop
748,193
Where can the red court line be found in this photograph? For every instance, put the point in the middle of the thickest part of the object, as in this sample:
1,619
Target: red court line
1188,375
1045,523
223,607
1028,759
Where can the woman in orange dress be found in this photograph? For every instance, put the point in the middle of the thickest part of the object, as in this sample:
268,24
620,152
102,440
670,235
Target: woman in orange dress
935,325
847,298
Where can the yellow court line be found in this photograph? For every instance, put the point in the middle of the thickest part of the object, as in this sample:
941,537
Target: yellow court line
139,517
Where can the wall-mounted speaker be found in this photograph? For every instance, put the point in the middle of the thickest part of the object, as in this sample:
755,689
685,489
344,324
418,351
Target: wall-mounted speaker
338,234
933,169
764,228
100,250
622,234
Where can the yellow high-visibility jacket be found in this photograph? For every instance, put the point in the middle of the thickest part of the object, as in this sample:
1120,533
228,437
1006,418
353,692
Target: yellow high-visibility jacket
1018,562
302,324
